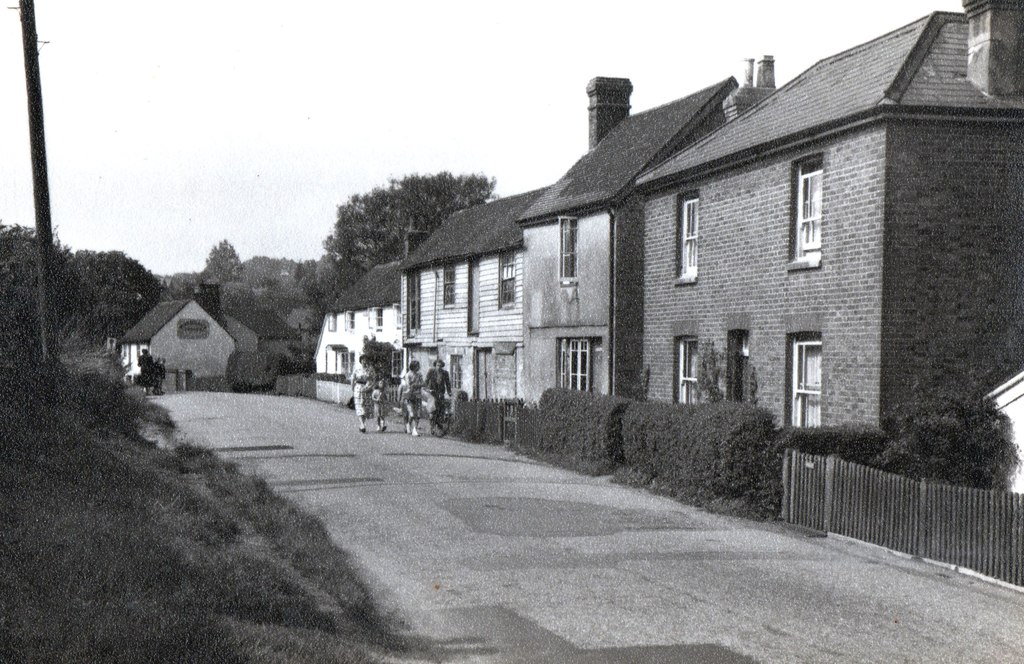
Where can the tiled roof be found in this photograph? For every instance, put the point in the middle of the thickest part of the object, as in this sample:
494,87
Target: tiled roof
602,174
153,321
265,323
921,64
476,231
380,287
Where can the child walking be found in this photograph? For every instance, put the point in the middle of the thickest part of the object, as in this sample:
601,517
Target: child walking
377,396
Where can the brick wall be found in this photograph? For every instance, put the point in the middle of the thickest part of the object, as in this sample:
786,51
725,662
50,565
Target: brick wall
746,217
954,255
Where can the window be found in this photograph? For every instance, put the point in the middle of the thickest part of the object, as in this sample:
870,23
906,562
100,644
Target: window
332,323
806,380
448,292
574,359
455,369
507,283
567,264
350,320
396,363
412,297
686,364
737,361
687,233
378,317
808,211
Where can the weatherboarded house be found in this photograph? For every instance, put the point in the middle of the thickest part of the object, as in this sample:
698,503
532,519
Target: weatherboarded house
462,296
855,235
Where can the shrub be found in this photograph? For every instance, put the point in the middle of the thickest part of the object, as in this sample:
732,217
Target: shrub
583,427
252,370
854,443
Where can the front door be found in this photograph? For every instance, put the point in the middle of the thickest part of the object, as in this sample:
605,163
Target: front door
483,374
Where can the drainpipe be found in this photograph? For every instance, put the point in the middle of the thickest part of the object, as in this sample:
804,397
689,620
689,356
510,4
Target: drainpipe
612,249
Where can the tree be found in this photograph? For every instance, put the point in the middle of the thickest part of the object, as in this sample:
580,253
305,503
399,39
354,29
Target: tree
223,264
115,292
370,228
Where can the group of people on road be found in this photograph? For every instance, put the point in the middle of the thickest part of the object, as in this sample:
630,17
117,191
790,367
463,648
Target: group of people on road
151,373
369,395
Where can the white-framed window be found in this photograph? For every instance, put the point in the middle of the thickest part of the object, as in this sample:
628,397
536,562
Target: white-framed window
567,232
806,379
343,361
575,364
350,320
332,323
455,370
808,210
378,318
448,289
396,362
507,279
686,370
687,233
412,297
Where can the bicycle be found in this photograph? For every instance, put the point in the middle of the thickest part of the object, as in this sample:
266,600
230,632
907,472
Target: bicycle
441,418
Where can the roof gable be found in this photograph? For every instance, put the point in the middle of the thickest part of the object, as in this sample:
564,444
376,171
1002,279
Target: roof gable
600,175
380,287
476,231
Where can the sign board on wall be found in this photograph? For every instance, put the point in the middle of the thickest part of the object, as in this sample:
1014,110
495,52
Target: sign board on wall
193,328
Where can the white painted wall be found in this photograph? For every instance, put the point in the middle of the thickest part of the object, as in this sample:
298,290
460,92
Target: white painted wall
365,328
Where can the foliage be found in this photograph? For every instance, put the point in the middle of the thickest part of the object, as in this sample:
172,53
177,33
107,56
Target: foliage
370,228
854,443
252,370
956,436
708,453
583,427
116,292
378,357
222,264
709,374
323,281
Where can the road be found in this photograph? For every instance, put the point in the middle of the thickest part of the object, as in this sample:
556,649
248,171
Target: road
494,557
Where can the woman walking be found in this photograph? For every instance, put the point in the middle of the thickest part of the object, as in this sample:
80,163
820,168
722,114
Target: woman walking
362,383
411,394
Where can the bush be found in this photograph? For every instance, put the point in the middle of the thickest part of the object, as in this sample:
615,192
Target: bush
248,371
705,453
854,443
583,427
957,438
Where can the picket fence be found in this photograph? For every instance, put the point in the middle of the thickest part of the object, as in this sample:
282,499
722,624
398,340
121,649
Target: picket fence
975,529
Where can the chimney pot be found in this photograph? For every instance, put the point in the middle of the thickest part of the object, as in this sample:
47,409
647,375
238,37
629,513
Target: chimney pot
748,72
609,105
766,72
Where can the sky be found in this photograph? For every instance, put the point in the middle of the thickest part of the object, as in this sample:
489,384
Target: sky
173,126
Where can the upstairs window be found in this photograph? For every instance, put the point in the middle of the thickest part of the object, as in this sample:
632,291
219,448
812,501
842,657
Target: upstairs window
378,318
806,380
448,288
412,300
687,237
808,210
332,323
507,283
350,320
567,228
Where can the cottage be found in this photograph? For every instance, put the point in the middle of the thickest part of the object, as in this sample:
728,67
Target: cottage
369,309
854,235
462,290
583,237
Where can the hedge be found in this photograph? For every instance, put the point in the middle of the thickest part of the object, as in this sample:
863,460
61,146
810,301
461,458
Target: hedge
854,443
583,428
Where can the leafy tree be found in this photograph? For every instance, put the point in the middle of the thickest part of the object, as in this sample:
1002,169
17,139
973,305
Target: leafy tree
116,291
370,228
223,264
378,356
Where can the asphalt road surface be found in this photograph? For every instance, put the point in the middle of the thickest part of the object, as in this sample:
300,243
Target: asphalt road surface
494,557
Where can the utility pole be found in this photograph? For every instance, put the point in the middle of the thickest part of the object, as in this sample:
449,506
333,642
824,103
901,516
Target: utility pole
40,182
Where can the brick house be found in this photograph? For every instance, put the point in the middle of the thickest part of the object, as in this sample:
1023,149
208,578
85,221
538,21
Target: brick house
462,295
368,309
583,263
856,234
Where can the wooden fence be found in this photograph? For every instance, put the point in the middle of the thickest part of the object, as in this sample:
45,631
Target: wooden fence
486,421
971,528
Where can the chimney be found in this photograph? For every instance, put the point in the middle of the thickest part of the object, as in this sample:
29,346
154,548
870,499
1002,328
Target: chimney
609,105
749,92
995,46
208,297
413,239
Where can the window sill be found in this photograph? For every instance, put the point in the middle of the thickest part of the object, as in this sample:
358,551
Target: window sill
686,280
568,283
805,263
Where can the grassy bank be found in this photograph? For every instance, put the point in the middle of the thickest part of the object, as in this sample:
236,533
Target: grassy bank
117,551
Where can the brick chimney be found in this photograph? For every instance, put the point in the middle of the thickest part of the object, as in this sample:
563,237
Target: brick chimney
413,239
750,91
609,105
208,297
995,46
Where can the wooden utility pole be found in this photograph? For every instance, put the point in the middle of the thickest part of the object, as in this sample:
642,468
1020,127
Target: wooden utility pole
40,182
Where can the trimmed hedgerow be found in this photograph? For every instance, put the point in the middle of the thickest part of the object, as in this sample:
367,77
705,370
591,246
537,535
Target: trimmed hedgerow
583,428
707,453
854,443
